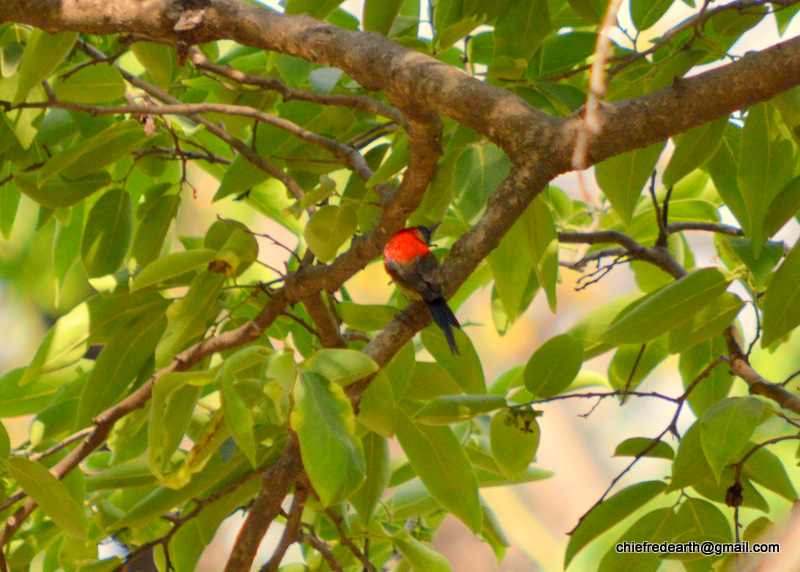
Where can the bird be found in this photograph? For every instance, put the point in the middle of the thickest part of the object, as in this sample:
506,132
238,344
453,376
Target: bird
408,259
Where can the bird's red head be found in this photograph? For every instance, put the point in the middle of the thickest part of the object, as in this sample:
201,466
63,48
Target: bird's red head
409,243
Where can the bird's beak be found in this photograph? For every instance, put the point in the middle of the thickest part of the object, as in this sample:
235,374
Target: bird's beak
427,231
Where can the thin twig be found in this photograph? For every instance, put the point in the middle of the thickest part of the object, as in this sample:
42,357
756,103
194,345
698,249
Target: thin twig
361,103
345,540
671,428
291,532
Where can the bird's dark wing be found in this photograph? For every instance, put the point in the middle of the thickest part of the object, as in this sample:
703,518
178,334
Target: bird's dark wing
419,276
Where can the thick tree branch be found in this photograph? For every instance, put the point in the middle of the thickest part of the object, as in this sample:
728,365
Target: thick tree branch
740,366
415,81
291,533
328,328
275,485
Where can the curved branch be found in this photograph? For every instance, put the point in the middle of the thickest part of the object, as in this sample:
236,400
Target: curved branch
349,156
417,83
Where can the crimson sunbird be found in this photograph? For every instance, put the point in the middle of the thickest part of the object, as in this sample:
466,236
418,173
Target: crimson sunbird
408,259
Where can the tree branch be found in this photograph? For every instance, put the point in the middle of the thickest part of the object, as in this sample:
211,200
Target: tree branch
276,483
291,533
349,156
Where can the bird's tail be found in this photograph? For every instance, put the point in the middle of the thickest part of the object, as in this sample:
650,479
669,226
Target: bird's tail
445,319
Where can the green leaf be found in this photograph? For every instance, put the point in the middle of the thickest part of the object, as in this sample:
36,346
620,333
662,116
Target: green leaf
118,364
762,267
514,437
164,499
759,527
421,556
172,265
9,201
158,60
465,369
781,307
43,54
448,34
10,56
58,193
329,228
67,243
766,469
325,424
510,271
765,167
782,208
5,443
342,366
690,466
630,365
450,409
609,513
561,52
377,408
400,370
107,234
718,383
238,248
591,10
723,168
188,317
315,8
365,317
623,177
700,520
93,84
94,154
634,446
498,479
543,247
668,307
16,400
238,416
380,14
726,427
589,330
646,13
717,491
553,366
734,25
655,527
693,148
706,324
441,462
64,344
378,470
152,231
50,494
521,28
164,437
410,499
478,172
